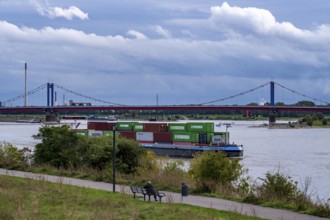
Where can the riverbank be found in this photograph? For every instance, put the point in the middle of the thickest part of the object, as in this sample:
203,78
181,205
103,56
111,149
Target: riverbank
207,202
288,125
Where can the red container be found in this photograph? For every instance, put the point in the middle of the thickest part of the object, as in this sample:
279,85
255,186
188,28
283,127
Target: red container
163,137
155,127
128,134
110,126
91,125
101,126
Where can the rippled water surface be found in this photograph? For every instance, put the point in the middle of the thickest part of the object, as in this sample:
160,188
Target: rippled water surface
300,153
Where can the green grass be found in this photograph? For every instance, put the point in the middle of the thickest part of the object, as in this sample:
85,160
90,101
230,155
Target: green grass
33,199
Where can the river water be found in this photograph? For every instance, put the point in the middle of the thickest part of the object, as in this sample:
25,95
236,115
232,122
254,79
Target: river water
300,153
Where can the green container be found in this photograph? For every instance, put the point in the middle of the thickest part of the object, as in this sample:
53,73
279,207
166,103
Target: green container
109,133
224,136
209,137
138,127
176,127
200,127
185,137
124,126
82,132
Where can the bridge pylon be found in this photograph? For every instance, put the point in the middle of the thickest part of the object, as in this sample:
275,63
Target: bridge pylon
50,94
51,115
272,113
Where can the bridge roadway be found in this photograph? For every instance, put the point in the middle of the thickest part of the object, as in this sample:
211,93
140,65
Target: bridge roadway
41,109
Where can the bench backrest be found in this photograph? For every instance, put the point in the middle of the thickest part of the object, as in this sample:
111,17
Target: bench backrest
134,189
140,190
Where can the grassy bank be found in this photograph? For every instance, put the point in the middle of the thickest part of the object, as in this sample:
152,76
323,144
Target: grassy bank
35,199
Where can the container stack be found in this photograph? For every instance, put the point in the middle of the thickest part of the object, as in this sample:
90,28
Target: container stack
191,133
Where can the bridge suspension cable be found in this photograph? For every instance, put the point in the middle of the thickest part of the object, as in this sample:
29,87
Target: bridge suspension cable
23,95
298,93
85,96
234,96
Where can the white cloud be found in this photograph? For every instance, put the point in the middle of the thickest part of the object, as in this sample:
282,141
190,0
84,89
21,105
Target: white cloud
231,44
161,31
69,13
44,9
261,23
137,35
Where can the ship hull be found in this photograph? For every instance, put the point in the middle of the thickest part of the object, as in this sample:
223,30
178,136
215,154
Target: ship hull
189,151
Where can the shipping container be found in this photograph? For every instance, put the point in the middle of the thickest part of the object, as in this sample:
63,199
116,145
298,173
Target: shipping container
81,132
92,133
185,137
200,127
163,137
174,127
138,127
155,127
128,134
100,126
145,136
209,137
203,138
124,126
109,133
91,125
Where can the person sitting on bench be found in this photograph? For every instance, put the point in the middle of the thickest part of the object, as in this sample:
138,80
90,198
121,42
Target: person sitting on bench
150,188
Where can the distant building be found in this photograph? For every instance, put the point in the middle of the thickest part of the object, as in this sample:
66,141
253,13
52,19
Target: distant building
71,103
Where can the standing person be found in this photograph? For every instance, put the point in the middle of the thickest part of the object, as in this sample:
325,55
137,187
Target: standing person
150,190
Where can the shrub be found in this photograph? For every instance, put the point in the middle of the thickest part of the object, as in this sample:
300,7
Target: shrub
57,147
324,121
94,152
12,157
129,154
211,169
277,186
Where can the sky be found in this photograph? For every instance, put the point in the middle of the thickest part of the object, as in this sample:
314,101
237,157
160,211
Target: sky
183,52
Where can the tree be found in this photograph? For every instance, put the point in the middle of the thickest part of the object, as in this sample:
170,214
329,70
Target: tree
318,116
57,147
95,152
279,104
211,169
305,103
128,153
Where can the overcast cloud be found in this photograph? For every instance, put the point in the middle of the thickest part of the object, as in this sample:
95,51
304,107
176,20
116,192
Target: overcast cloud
185,52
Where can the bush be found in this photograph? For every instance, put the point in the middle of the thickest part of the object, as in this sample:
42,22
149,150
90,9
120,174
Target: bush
12,157
94,152
129,154
277,186
324,121
57,147
61,147
211,169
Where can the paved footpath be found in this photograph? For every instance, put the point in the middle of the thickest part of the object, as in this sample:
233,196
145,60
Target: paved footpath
220,204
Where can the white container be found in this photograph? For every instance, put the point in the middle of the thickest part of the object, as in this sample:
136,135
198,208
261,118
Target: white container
145,136
95,133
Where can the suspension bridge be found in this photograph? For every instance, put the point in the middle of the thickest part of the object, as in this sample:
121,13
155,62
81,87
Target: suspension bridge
213,105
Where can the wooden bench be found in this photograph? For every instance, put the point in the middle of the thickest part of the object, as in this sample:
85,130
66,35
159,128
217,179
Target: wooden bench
138,190
155,192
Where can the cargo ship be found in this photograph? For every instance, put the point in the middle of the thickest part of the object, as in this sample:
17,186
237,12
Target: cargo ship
168,138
